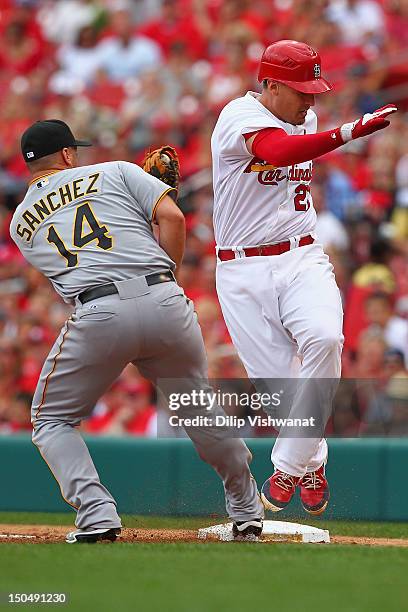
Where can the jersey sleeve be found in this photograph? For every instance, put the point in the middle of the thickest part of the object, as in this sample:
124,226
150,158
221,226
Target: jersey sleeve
147,190
24,246
233,130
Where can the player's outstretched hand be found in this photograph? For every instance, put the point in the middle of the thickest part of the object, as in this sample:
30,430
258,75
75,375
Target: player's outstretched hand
369,123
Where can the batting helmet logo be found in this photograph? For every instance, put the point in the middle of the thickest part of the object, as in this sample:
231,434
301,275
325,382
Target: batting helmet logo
295,64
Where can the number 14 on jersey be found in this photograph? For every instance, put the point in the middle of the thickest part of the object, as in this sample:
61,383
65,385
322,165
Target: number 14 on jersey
98,233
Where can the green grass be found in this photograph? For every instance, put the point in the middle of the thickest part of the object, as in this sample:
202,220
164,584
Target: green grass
230,577
202,578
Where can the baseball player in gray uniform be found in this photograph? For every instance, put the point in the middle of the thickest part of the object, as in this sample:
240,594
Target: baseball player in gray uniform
89,230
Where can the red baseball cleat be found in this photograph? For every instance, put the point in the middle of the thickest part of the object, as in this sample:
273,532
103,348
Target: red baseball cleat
314,491
278,490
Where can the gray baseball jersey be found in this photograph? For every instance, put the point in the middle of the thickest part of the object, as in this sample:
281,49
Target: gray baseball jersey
88,226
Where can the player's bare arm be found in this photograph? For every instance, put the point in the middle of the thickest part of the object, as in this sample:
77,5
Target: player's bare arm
172,229
163,163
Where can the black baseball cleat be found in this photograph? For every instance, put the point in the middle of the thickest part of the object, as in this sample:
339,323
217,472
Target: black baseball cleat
90,536
247,531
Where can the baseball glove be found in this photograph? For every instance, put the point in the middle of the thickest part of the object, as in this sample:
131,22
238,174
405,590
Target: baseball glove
164,164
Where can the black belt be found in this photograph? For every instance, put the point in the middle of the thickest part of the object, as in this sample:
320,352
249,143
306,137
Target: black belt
110,289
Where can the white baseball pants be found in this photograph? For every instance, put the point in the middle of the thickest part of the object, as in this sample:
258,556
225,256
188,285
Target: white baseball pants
284,315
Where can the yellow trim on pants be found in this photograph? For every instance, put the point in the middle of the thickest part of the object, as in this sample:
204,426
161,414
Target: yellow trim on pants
41,405
49,374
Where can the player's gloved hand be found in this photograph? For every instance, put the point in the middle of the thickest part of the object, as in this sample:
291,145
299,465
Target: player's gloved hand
164,164
369,123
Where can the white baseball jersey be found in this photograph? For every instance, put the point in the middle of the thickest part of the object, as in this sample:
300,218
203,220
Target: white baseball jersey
254,202
89,226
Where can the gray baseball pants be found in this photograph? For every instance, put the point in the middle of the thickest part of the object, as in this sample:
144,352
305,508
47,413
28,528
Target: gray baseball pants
156,329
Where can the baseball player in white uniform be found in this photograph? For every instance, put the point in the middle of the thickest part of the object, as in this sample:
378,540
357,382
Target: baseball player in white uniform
89,230
275,284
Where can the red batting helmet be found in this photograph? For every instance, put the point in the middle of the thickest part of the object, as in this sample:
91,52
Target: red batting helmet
295,64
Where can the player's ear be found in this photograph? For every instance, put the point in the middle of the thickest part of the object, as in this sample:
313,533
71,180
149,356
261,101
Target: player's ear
273,86
66,155
69,156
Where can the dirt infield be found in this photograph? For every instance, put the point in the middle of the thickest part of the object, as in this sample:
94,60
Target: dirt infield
44,534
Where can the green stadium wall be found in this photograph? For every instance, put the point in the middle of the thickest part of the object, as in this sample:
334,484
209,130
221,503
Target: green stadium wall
165,477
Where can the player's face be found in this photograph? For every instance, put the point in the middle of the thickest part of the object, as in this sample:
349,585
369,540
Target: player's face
292,105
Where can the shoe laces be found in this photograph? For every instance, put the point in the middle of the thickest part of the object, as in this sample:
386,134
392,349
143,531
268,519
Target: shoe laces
285,481
312,480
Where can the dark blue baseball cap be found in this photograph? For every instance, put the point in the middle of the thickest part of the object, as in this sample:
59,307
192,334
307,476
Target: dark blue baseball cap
47,137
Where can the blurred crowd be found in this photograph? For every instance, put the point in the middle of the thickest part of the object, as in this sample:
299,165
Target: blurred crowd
132,74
